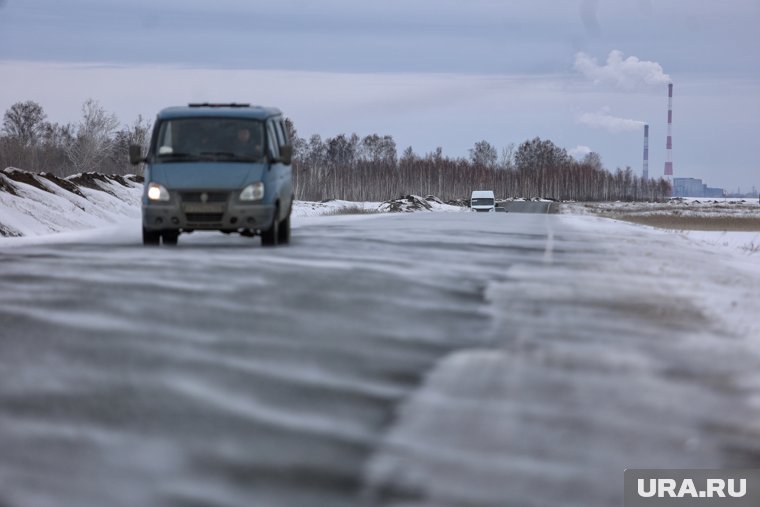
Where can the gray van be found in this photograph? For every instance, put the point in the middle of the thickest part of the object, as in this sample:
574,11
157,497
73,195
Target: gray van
224,167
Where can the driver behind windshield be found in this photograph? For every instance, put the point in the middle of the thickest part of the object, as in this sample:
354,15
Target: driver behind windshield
244,145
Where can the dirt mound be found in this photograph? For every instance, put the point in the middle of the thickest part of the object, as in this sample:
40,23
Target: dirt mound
121,180
6,186
7,232
90,180
464,203
406,204
64,184
25,177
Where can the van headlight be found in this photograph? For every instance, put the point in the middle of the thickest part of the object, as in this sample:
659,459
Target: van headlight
253,192
157,192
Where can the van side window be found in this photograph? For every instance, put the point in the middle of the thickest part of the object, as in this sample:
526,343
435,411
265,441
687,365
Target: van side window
281,133
274,147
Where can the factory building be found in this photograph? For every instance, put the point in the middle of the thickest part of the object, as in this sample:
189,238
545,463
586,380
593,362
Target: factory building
693,187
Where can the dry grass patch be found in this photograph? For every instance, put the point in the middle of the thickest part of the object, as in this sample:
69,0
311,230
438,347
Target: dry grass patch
694,223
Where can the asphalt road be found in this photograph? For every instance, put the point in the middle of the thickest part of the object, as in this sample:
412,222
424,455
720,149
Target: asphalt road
427,359
530,206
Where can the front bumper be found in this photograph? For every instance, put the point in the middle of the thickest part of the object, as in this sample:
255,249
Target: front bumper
229,215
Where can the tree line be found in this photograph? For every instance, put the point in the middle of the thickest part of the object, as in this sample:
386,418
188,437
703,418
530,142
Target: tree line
97,142
345,166
369,169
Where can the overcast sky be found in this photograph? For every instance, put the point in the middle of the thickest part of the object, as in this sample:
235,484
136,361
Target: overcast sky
584,73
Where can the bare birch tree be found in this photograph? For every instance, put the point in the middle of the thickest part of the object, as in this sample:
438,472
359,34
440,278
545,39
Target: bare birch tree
94,138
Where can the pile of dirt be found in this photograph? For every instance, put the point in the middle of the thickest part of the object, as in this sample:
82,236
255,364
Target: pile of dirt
121,180
7,232
406,204
90,180
7,186
64,184
25,177
432,198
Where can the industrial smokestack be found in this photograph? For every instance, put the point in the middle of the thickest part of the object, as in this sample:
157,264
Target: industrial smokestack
669,143
646,153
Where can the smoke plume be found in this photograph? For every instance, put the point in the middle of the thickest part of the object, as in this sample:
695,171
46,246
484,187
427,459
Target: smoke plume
627,74
603,119
588,16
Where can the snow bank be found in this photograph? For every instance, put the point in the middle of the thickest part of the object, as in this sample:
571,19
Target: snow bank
743,243
36,204
333,207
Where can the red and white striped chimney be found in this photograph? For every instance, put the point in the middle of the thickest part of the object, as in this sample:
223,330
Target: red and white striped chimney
669,143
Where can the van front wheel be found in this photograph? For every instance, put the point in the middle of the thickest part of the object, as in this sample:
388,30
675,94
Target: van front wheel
151,238
270,237
284,232
169,237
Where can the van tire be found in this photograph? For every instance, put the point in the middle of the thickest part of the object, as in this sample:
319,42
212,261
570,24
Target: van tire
169,237
270,236
283,235
151,238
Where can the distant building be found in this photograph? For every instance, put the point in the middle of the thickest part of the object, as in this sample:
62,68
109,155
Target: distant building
693,187
714,192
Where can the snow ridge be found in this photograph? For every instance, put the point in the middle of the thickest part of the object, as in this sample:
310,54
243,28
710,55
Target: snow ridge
35,204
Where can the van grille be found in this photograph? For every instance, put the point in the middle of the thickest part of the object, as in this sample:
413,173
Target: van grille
210,196
204,217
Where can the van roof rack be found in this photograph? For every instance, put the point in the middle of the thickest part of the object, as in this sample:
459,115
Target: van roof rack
216,104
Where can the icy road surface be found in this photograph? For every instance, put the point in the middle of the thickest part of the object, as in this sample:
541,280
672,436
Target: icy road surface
427,359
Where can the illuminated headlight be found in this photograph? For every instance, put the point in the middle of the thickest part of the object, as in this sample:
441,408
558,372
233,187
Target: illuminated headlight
254,192
157,192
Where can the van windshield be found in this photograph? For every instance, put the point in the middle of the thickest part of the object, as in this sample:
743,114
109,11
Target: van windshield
218,139
482,201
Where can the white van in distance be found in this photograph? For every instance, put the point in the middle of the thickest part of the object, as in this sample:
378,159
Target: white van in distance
482,200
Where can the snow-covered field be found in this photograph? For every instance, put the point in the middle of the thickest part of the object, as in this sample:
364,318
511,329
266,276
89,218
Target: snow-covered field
729,226
689,206
684,214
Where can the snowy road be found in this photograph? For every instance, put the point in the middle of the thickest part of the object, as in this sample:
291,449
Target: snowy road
427,359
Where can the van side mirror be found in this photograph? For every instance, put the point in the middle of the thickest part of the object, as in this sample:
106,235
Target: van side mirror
286,154
135,154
